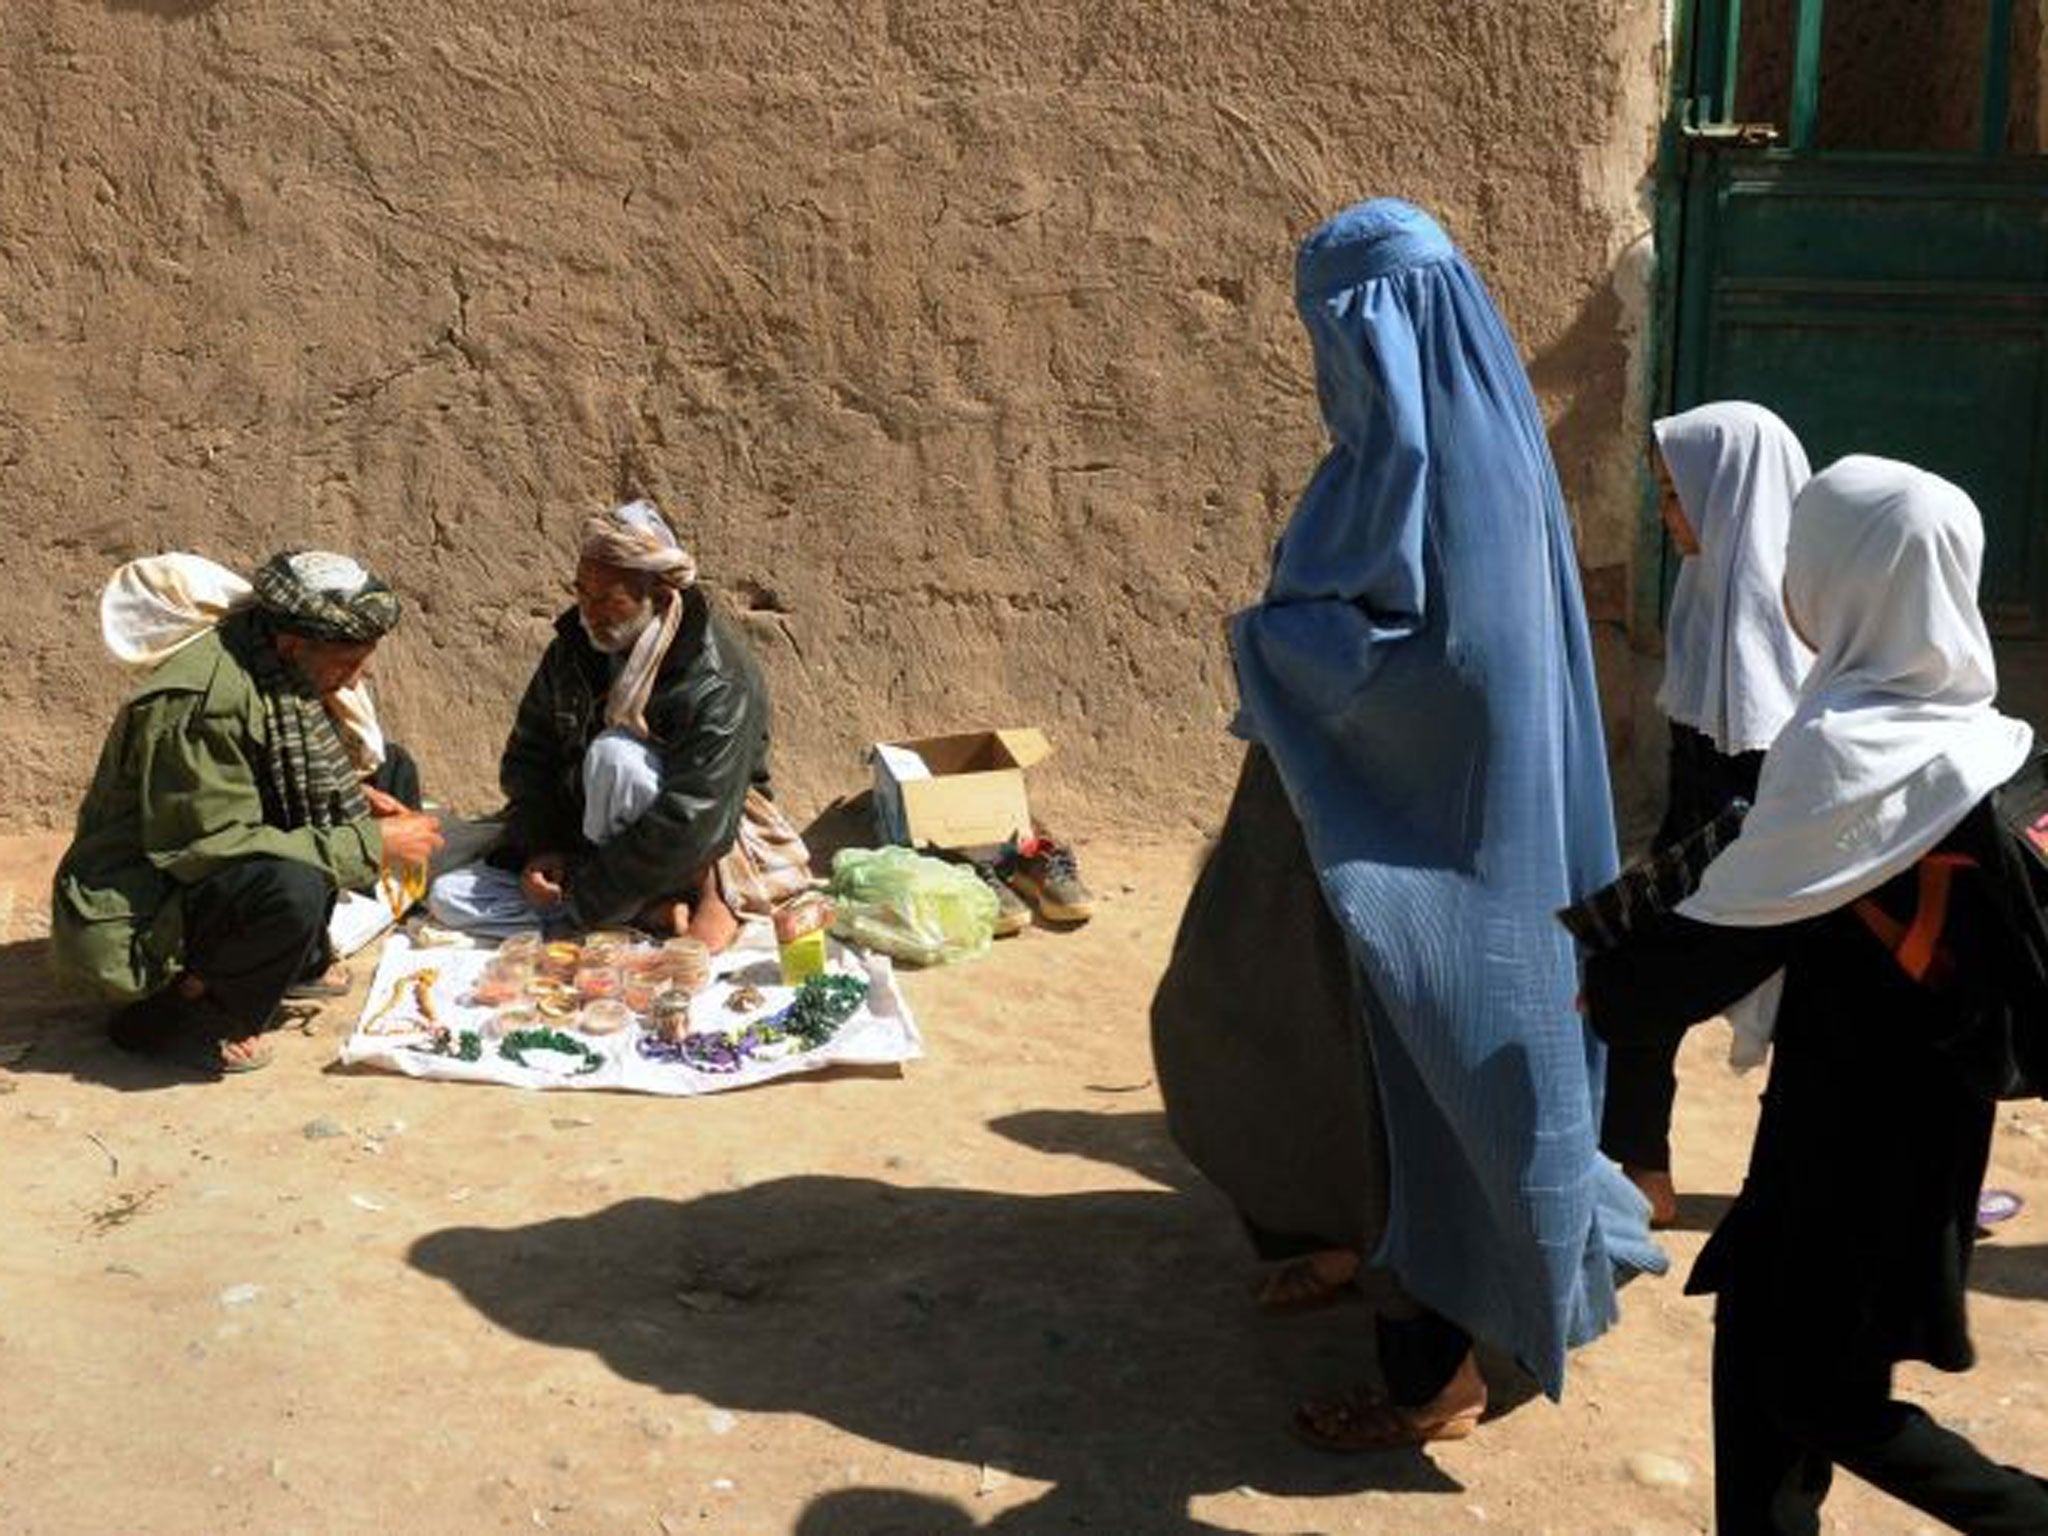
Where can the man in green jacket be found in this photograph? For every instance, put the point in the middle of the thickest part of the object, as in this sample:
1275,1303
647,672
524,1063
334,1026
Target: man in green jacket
225,815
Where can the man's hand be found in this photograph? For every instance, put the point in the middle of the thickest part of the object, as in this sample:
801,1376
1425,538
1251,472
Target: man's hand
382,804
410,837
545,880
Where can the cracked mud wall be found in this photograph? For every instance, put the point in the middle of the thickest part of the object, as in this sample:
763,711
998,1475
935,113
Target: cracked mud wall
957,338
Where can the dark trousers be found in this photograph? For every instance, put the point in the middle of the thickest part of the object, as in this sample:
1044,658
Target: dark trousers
251,930
1784,1421
1642,1076
1419,1355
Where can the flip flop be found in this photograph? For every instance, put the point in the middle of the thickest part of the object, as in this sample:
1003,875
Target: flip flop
208,1055
335,981
1996,1205
254,1058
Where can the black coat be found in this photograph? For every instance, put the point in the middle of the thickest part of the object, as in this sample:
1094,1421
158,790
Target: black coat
708,718
1852,1233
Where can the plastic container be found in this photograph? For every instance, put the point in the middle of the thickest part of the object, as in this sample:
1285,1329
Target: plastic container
801,924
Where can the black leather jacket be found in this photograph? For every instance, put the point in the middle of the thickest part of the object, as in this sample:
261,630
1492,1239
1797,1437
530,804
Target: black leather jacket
708,717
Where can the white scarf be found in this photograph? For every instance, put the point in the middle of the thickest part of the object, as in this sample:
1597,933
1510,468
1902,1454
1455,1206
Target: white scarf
1733,666
156,606
1895,738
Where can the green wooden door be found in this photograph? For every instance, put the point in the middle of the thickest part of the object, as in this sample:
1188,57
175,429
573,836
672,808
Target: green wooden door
1890,301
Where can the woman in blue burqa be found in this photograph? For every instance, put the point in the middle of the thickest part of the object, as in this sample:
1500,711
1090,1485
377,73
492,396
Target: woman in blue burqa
1426,758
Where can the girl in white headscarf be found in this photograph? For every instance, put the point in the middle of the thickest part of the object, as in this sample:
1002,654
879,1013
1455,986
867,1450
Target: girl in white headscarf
1729,472
1874,872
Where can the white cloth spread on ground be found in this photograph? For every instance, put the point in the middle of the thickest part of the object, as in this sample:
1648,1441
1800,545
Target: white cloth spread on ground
881,1032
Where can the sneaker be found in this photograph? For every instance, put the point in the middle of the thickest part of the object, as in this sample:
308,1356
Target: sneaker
1012,916
1043,870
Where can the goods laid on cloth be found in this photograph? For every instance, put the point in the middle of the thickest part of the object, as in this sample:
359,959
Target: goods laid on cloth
616,1010
923,910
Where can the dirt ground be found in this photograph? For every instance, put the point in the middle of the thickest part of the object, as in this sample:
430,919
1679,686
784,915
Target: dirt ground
983,1295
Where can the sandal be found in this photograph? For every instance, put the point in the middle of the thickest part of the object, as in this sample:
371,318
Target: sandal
1352,1422
211,1055
335,981
1299,1286
233,1057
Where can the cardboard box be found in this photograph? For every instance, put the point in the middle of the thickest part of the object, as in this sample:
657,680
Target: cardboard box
960,791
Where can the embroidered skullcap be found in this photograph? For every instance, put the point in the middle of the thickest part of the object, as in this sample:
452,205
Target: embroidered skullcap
325,596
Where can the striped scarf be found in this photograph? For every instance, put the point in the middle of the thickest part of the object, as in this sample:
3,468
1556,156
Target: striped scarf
307,772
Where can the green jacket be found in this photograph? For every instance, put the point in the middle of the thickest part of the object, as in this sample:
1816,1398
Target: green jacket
176,797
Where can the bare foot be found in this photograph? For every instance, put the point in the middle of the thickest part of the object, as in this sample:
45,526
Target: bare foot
1304,1284
666,917
714,923
1657,1188
245,1055
1367,1421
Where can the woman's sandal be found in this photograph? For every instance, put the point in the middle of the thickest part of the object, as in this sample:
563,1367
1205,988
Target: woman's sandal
1353,1422
1298,1286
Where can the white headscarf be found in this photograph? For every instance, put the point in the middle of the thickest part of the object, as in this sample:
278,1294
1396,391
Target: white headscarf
156,606
1895,738
1732,664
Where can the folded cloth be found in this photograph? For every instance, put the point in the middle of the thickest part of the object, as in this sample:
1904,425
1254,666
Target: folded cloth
767,864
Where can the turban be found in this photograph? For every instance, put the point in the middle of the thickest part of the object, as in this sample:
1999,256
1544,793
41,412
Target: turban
635,538
325,597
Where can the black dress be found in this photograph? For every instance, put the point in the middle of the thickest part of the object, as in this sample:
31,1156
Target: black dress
1642,1075
1259,1041
1848,1248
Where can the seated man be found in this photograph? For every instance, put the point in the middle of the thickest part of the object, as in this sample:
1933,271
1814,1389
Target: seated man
636,777
227,809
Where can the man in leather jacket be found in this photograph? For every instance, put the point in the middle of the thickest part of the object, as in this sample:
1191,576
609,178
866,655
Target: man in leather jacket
636,775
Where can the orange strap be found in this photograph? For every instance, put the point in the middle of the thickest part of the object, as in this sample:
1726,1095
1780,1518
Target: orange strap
1917,946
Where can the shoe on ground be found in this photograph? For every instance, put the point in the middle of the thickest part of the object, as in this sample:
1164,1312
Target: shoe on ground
1012,915
1042,870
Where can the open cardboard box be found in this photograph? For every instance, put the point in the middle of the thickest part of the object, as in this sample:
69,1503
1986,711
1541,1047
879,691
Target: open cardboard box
961,791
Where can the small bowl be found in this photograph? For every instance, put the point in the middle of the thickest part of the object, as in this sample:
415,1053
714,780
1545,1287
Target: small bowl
595,981
606,1016
513,1017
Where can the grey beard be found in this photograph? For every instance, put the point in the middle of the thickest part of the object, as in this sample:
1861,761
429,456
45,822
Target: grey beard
617,637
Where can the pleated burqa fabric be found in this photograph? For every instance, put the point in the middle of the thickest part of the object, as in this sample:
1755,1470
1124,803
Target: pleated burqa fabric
1420,671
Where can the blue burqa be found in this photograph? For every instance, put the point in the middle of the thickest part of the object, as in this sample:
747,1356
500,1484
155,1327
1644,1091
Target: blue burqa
1420,671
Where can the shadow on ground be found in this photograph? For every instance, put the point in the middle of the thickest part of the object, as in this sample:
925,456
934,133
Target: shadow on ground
1099,1341
2020,1272
1701,1213
45,1029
